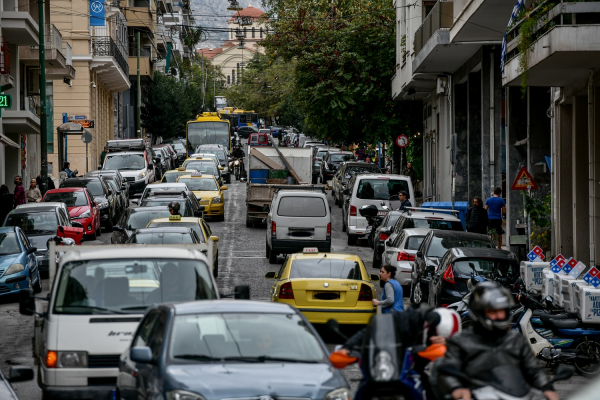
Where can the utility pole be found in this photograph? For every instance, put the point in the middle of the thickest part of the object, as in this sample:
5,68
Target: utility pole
44,113
138,108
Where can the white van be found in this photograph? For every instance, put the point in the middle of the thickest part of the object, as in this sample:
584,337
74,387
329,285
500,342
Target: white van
95,304
298,219
365,189
134,160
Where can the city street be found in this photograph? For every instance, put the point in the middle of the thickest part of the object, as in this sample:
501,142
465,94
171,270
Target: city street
242,262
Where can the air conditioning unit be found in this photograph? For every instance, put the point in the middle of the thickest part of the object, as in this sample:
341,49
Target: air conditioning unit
442,85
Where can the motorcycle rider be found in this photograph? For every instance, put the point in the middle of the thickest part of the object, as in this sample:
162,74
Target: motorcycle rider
174,208
490,344
238,152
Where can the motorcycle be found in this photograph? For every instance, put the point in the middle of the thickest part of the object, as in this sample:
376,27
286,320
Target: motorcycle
559,338
236,165
374,219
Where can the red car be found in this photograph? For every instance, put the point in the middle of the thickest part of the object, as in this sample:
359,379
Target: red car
82,208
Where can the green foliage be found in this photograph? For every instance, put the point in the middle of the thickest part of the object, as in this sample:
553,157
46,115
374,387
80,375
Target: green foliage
525,41
540,212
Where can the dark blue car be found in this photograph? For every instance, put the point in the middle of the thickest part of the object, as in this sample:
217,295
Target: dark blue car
212,350
18,264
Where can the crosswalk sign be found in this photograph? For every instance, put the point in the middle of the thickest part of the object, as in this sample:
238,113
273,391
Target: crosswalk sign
524,181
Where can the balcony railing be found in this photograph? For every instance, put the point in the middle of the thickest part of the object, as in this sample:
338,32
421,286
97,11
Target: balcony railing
106,46
4,57
441,16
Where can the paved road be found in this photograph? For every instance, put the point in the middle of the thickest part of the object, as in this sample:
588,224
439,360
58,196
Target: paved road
242,262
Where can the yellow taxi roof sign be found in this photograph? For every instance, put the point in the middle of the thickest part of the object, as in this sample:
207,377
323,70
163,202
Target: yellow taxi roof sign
310,250
174,217
196,173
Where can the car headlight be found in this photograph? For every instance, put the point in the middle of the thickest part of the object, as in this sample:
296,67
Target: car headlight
104,204
383,369
71,359
15,268
183,395
338,394
141,175
86,214
216,199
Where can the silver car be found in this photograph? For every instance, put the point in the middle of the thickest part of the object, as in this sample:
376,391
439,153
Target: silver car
401,252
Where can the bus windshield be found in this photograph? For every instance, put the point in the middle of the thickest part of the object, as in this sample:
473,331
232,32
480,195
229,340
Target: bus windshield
211,132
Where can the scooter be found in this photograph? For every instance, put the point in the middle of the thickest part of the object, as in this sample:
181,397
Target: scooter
560,338
371,213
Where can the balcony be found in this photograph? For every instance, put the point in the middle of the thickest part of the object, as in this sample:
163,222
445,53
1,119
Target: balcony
20,22
139,17
24,120
146,70
565,45
109,60
480,20
58,55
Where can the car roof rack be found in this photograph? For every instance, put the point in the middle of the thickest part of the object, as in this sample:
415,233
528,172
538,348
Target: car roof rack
277,188
126,144
431,210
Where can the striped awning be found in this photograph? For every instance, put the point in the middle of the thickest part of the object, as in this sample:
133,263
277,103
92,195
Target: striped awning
7,142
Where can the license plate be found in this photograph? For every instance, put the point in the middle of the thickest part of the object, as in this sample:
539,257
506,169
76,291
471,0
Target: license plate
326,295
382,213
368,229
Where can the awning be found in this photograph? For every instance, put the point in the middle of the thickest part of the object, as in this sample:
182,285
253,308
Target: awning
7,142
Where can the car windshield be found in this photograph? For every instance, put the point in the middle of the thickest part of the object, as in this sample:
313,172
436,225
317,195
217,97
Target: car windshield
248,336
129,286
327,268
178,146
206,167
220,154
340,157
485,267
171,177
366,169
414,242
71,199
297,206
194,225
434,224
161,238
200,183
380,189
93,185
439,245
152,189
43,222
139,219
154,202
9,244
321,153
125,162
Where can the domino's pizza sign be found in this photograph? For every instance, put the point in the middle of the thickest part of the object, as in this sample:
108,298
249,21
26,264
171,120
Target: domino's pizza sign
592,277
537,254
557,264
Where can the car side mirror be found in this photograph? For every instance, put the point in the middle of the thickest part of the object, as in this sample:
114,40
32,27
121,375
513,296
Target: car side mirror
271,275
26,302
221,168
118,228
123,186
419,254
110,192
135,201
77,224
20,374
31,250
95,204
223,187
141,354
214,238
61,229
374,277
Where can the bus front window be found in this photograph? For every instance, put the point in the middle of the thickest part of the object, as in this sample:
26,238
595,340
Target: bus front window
198,133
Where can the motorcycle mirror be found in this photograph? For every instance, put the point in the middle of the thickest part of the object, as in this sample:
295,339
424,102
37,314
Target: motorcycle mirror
562,372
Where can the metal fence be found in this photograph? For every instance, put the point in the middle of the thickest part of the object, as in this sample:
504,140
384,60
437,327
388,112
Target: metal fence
106,46
4,57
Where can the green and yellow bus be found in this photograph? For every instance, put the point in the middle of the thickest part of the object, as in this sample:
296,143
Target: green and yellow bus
208,128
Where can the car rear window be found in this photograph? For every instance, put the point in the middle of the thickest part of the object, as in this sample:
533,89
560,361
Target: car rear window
434,224
262,138
162,238
439,245
71,199
139,219
380,189
297,206
340,157
325,268
194,225
414,242
165,202
94,186
484,267
254,138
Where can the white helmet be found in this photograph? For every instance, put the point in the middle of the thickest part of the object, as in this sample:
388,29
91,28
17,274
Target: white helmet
443,322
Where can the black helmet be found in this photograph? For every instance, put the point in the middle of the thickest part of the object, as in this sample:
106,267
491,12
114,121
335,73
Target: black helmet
174,206
490,296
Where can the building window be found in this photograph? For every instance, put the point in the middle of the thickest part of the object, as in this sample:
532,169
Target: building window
238,66
245,32
253,33
228,79
233,76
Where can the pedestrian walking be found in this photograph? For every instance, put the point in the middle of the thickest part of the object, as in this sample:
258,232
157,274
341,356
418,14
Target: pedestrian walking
6,202
391,298
19,195
477,217
495,207
33,194
410,172
404,201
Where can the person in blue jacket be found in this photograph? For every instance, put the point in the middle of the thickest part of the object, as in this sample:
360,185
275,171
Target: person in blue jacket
391,298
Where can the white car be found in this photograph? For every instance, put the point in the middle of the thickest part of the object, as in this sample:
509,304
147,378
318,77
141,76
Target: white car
298,219
164,187
367,189
134,161
401,252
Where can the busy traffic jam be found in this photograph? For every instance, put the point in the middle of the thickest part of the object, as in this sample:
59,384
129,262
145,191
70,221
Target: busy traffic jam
271,266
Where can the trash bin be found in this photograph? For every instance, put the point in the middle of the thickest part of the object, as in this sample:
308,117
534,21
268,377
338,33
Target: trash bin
461,206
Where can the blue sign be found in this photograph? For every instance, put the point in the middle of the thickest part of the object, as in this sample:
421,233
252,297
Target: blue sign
77,117
97,13
532,256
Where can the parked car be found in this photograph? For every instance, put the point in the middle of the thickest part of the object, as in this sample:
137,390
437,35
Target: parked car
449,283
81,207
276,131
345,171
179,148
402,252
103,195
380,235
18,264
135,160
330,163
172,154
180,351
434,247
15,374
139,217
115,175
165,160
245,131
298,219
366,189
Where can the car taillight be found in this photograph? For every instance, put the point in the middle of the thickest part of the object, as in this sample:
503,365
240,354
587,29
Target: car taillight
273,228
383,236
329,229
366,294
315,159
353,211
449,275
286,292
404,256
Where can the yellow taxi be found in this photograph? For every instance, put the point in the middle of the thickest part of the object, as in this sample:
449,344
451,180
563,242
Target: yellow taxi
198,225
172,175
208,192
204,165
326,286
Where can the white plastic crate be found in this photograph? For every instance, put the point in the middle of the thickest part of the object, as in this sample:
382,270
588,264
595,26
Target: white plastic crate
568,293
547,283
577,296
590,305
561,282
532,274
